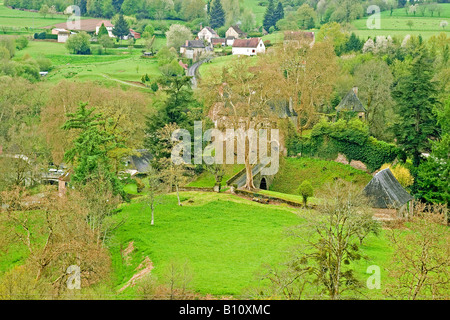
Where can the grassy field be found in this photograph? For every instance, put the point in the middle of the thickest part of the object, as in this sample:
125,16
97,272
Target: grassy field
24,19
396,25
225,241
293,171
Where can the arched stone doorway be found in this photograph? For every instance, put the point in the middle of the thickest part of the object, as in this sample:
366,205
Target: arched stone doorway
263,184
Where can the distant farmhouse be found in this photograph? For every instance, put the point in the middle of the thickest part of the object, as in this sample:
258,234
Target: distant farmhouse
207,33
235,32
248,47
192,49
299,37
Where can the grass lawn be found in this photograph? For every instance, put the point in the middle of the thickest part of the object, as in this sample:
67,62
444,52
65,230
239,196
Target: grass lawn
293,171
225,239
206,179
18,19
396,25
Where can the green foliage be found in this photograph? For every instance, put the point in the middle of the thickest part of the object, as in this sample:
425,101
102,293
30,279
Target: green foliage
121,28
217,15
79,43
89,155
21,42
350,138
416,97
306,190
102,31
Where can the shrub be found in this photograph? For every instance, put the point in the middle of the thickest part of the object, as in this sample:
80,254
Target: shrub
306,190
21,42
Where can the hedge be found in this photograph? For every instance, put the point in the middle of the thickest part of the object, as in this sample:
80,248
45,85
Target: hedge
350,138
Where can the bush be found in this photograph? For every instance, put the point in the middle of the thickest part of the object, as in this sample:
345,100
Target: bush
306,190
44,64
21,42
154,86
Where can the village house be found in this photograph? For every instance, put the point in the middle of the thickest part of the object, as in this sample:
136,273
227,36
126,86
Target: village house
248,47
207,34
219,42
300,37
108,25
63,35
351,105
235,32
192,49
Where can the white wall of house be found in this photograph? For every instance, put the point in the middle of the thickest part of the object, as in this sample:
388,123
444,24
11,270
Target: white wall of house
110,29
205,34
62,37
261,48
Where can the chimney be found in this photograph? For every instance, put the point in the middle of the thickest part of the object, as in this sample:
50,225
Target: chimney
355,90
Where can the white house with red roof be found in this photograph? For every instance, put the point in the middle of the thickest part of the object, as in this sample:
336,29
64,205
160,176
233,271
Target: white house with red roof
248,47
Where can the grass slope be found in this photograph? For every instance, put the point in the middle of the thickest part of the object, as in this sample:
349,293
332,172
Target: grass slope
293,171
225,239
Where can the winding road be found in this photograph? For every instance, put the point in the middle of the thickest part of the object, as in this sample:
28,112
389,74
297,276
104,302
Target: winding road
193,71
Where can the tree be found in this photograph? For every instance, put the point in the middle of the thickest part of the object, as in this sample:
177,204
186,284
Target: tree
217,15
106,42
306,190
89,156
306,17
44,10
244,95
102,31
419,265
409,23
177,36
278,13
326,253
268,20
154,188
374,81
415,95
79,43
232,11
121,28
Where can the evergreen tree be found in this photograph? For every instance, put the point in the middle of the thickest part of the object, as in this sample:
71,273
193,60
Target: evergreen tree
102,31
278,13
121,29
353,43
89,156
416,97
269,16
217,15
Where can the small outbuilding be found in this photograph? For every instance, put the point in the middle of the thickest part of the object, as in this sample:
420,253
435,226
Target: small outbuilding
385,192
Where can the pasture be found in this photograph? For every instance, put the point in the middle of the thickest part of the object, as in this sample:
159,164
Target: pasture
400,24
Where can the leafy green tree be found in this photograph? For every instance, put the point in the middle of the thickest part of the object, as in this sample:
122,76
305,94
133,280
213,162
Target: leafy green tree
79,43
89,155
121,29
306,190
106,42
44,10
416,97
217,15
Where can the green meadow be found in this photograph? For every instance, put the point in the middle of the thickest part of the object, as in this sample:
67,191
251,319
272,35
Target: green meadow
226,241
398,24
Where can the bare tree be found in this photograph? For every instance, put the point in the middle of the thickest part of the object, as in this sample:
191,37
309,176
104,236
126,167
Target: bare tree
420,262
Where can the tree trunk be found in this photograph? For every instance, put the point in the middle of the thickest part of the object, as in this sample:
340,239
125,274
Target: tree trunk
178,195
153,216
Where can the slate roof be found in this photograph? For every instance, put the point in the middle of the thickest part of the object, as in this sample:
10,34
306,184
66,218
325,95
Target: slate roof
351,103
238,30
194,44
385,191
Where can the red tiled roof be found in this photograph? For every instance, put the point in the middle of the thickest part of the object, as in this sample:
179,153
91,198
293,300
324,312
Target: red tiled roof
246,43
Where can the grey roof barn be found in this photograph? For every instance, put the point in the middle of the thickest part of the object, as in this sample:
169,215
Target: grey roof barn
351,102
385,191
